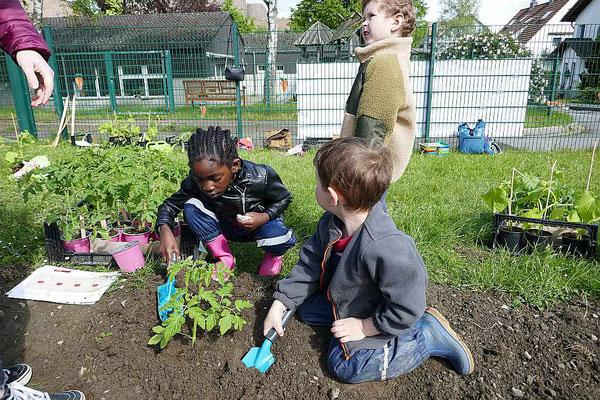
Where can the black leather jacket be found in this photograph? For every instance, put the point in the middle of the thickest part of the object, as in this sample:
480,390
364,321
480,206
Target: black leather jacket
255,188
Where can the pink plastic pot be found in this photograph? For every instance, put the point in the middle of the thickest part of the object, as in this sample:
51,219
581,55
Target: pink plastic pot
78,245
117,237
143,238
129,257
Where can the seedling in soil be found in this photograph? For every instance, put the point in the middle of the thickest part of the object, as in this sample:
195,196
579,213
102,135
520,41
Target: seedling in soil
202,303
103,335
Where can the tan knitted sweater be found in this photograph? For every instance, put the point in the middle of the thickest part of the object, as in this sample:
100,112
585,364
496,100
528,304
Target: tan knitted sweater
381,105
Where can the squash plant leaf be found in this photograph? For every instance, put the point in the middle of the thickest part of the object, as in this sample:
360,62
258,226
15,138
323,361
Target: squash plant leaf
496,199
586,205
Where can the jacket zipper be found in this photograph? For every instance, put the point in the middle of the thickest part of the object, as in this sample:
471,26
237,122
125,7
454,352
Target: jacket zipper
335,317
243,193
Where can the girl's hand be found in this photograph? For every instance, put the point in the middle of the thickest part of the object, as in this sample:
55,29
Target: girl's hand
168,243
275,318
353,329
253,220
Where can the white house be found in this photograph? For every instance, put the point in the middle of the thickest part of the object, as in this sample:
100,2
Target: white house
585,14
539,26
572,52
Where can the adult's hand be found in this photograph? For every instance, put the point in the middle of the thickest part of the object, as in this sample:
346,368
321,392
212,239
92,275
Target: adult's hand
39,75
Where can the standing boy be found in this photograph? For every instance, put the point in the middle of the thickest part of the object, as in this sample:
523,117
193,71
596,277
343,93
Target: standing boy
381,105
362,277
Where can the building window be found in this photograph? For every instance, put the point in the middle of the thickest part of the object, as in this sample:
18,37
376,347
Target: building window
581,31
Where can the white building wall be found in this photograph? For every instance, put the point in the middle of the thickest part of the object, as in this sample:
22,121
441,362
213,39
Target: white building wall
590,17
591,14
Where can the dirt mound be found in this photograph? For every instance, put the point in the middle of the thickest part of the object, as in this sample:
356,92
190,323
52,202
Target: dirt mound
102,351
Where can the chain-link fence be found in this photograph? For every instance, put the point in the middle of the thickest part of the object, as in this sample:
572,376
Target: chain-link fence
536,86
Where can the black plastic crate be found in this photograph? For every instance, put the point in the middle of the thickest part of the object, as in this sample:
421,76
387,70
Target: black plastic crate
502,219
55,252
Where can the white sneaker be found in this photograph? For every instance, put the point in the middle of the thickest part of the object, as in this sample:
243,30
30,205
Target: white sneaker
17,391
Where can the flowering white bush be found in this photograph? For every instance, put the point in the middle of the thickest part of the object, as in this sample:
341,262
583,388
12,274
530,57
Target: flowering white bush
496,46
486,46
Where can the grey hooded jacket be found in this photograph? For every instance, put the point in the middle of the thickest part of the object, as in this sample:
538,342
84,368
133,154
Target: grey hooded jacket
380,275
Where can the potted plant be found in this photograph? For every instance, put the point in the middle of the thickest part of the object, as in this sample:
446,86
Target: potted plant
586,210
72,225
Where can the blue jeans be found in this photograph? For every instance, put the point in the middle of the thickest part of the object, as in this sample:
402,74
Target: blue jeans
273,237
398,357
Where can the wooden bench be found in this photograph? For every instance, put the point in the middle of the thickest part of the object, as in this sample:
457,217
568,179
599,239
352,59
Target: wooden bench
211,90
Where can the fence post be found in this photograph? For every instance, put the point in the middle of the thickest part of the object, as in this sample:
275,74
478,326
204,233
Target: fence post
22,100
236,63
111,80
57,95
171,100
430,76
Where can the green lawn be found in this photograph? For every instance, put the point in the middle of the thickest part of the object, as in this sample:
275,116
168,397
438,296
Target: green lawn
539,117
437,202
251,112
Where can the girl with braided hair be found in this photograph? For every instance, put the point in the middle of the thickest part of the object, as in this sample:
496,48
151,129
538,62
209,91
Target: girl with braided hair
227,198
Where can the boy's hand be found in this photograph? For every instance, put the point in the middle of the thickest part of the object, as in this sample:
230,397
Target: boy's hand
353,329
253,220
275,318
168,243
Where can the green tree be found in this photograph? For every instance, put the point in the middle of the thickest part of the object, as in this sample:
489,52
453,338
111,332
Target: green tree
328,12
93,8
333,12
245,23
459,12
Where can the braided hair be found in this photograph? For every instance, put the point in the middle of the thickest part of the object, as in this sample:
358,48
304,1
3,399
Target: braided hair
214,144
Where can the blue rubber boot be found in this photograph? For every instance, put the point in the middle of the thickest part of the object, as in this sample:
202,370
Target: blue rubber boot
442,341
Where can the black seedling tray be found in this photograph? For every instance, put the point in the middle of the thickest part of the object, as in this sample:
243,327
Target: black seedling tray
56,253
502,219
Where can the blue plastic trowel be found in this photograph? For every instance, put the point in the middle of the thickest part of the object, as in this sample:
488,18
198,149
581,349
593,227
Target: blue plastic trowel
165,292
261,357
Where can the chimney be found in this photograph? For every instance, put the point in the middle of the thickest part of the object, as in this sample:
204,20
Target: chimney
533,4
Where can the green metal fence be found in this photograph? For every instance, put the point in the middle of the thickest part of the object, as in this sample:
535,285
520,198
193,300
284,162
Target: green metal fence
535,86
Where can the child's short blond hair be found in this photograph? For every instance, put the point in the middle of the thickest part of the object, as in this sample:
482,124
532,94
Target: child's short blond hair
393,7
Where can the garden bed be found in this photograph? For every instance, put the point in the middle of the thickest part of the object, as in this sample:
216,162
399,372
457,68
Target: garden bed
101,349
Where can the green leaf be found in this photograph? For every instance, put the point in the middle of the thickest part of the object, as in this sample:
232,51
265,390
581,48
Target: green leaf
201,321
242,304
11,156
496,199
158,329
573,217
163,342
532,196
225,324
533,213
558,213
155,339
586,205
211,321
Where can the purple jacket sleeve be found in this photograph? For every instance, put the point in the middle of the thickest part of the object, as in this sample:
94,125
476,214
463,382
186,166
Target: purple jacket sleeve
17,32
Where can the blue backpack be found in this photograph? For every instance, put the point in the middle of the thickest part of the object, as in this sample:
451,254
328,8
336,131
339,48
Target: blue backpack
474,141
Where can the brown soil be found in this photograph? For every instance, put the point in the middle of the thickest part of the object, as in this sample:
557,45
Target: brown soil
518,352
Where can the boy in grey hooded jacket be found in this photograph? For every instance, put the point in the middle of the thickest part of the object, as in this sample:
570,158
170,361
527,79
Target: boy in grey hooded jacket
363,277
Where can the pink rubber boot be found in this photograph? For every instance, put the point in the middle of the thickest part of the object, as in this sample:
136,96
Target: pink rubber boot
220,250
271,265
